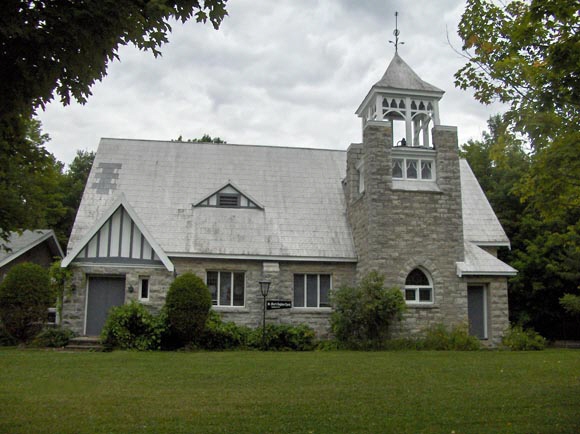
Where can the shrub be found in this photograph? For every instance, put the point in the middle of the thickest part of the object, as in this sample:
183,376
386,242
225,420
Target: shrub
6,340
441,339
25,296
132,326
517,339
571,303
219,335
362,315
55,337
284,337
187,304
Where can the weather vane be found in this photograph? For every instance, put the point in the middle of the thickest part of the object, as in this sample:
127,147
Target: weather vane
396,33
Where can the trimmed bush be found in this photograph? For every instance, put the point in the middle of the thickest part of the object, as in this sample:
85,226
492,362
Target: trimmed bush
284,337
219,335
25,296
518,339
362,315
133,327
55,337
439,338
187,304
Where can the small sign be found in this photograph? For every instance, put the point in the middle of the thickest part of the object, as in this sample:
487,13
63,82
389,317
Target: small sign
278,304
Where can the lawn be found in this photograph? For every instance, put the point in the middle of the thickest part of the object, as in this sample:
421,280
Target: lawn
315,392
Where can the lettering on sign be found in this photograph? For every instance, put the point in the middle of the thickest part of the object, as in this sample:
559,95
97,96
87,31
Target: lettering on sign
278,304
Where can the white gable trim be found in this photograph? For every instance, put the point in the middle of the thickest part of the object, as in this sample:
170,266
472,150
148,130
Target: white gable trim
235,187
120,201
33,244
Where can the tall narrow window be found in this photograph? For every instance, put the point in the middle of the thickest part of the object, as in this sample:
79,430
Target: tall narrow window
398,167
418,287
144,288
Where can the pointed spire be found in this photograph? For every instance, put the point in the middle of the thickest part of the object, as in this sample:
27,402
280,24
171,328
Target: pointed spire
399,75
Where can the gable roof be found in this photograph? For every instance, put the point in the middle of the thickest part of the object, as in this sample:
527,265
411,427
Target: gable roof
399,75
19,244
300,190
119,201
480,224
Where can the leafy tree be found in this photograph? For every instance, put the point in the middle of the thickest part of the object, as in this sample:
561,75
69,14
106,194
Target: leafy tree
72,187
29,183
361,316
526,54
25,296
206,138
187,304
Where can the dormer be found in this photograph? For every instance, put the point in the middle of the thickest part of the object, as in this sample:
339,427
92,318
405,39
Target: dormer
406,101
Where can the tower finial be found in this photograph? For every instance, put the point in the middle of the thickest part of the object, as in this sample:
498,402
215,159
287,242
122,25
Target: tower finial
396,33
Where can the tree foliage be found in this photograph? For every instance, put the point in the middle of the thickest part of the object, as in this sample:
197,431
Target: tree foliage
25,296
206,138
30,196
361,316
526,54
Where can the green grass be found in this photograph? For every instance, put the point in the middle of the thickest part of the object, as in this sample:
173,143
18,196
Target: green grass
316,392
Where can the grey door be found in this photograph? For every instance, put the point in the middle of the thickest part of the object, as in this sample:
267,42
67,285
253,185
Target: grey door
477,311
104,293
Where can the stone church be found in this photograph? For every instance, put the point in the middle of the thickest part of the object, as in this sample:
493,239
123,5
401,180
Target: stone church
310,220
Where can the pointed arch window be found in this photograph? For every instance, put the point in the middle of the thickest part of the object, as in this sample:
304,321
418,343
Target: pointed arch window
418,287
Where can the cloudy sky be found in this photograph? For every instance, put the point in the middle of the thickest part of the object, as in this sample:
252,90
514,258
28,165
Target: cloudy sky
283,73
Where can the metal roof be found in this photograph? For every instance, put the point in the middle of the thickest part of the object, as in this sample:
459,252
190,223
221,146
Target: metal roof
399,75
480,224
303,215
304,209
18,244
478,262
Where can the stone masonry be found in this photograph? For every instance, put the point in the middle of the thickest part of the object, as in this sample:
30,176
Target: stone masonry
398,230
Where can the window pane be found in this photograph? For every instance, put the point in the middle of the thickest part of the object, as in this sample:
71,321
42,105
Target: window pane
144,288
412,169
299,290
425,294
239,289
426,169
417,277
212,282
325,290
410,294
397,168
225,288
312,290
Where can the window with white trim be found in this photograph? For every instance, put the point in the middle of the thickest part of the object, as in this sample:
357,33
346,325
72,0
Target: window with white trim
144,288
312,290
227,288
418,288
413,168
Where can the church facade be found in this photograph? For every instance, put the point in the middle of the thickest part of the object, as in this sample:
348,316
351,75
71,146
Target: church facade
309,220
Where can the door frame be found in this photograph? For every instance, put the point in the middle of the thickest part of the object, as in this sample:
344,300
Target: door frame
87,289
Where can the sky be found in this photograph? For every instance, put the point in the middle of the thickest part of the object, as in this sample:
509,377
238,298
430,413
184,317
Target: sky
284,73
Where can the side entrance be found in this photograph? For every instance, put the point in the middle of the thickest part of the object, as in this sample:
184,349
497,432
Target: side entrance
477,311
103,294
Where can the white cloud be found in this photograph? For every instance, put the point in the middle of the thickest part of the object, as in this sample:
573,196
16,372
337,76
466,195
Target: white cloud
288,73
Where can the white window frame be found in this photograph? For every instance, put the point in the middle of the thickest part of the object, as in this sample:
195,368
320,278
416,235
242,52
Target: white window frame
417,289
305,289
141,280
218,292
420,161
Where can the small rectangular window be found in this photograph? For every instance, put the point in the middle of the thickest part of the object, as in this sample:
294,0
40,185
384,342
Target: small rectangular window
397,168
144,288
426,169
411,169
409,294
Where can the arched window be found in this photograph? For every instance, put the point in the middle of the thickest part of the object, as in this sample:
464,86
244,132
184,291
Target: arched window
418,287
